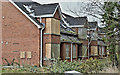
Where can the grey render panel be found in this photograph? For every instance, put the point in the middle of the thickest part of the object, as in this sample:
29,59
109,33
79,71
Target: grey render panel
82,33
94,35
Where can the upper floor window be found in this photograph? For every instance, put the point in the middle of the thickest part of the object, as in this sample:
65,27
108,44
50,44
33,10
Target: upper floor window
52,26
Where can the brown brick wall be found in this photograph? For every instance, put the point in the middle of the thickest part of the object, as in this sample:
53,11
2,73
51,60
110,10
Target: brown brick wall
21,35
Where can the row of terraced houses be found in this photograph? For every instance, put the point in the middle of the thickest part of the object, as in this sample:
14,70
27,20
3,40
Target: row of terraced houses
33,33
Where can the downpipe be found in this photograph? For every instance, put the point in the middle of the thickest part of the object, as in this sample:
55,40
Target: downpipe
41,50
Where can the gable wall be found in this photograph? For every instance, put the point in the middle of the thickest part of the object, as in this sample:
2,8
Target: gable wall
19,35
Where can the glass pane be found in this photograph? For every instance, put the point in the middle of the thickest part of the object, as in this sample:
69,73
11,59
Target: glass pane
102,50
74,51
99,50
84,50
67,50
55,51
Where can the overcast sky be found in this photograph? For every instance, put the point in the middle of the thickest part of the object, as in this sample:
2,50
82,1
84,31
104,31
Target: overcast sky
71,4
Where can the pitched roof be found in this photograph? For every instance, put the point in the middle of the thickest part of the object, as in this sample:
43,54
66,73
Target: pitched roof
20,5
44,9
92,25
75,20
66,30
39,9
32,9
66,38
67,34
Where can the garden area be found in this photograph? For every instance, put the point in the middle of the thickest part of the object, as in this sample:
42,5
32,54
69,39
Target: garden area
59,66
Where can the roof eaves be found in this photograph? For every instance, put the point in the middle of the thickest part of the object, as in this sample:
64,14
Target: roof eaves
77,26
25,14
47,15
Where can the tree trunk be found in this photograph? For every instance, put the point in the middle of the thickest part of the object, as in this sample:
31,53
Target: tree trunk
119,58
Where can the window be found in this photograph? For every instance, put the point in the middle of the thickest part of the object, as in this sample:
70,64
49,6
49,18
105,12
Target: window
82,33
103,51
67,51
48,25
79,50
22,54
55,29
100,50
52,50
55,50
52,26
94,50
48,50
74,51
29,54
84,50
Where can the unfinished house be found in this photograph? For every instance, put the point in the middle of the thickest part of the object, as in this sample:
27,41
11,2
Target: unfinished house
102,44
34,33
31,32
97,45
79,25
70,47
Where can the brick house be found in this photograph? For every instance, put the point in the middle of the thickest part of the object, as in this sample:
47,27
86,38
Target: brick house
34,33
93,47
70,44
97,46
80,26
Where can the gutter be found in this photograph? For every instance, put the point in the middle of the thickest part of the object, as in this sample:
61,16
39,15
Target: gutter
41,45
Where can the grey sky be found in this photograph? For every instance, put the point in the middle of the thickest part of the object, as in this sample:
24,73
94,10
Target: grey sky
71,4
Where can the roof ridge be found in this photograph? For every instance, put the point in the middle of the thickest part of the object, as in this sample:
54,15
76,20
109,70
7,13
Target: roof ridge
81,17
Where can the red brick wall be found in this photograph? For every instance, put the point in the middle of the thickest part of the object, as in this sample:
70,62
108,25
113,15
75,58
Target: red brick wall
94,43
21,35
75,29
84,42
48,39
56,15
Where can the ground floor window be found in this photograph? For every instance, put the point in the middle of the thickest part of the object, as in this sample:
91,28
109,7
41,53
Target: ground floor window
55,53
94,50
67,48
74,51
48,51
100,50
79,50
84,50
103,53
52,50
22,54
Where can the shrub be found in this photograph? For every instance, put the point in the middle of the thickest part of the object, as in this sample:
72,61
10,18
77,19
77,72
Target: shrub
86,66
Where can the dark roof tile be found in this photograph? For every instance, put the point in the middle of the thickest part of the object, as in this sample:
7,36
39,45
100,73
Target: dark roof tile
75,20
92,24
